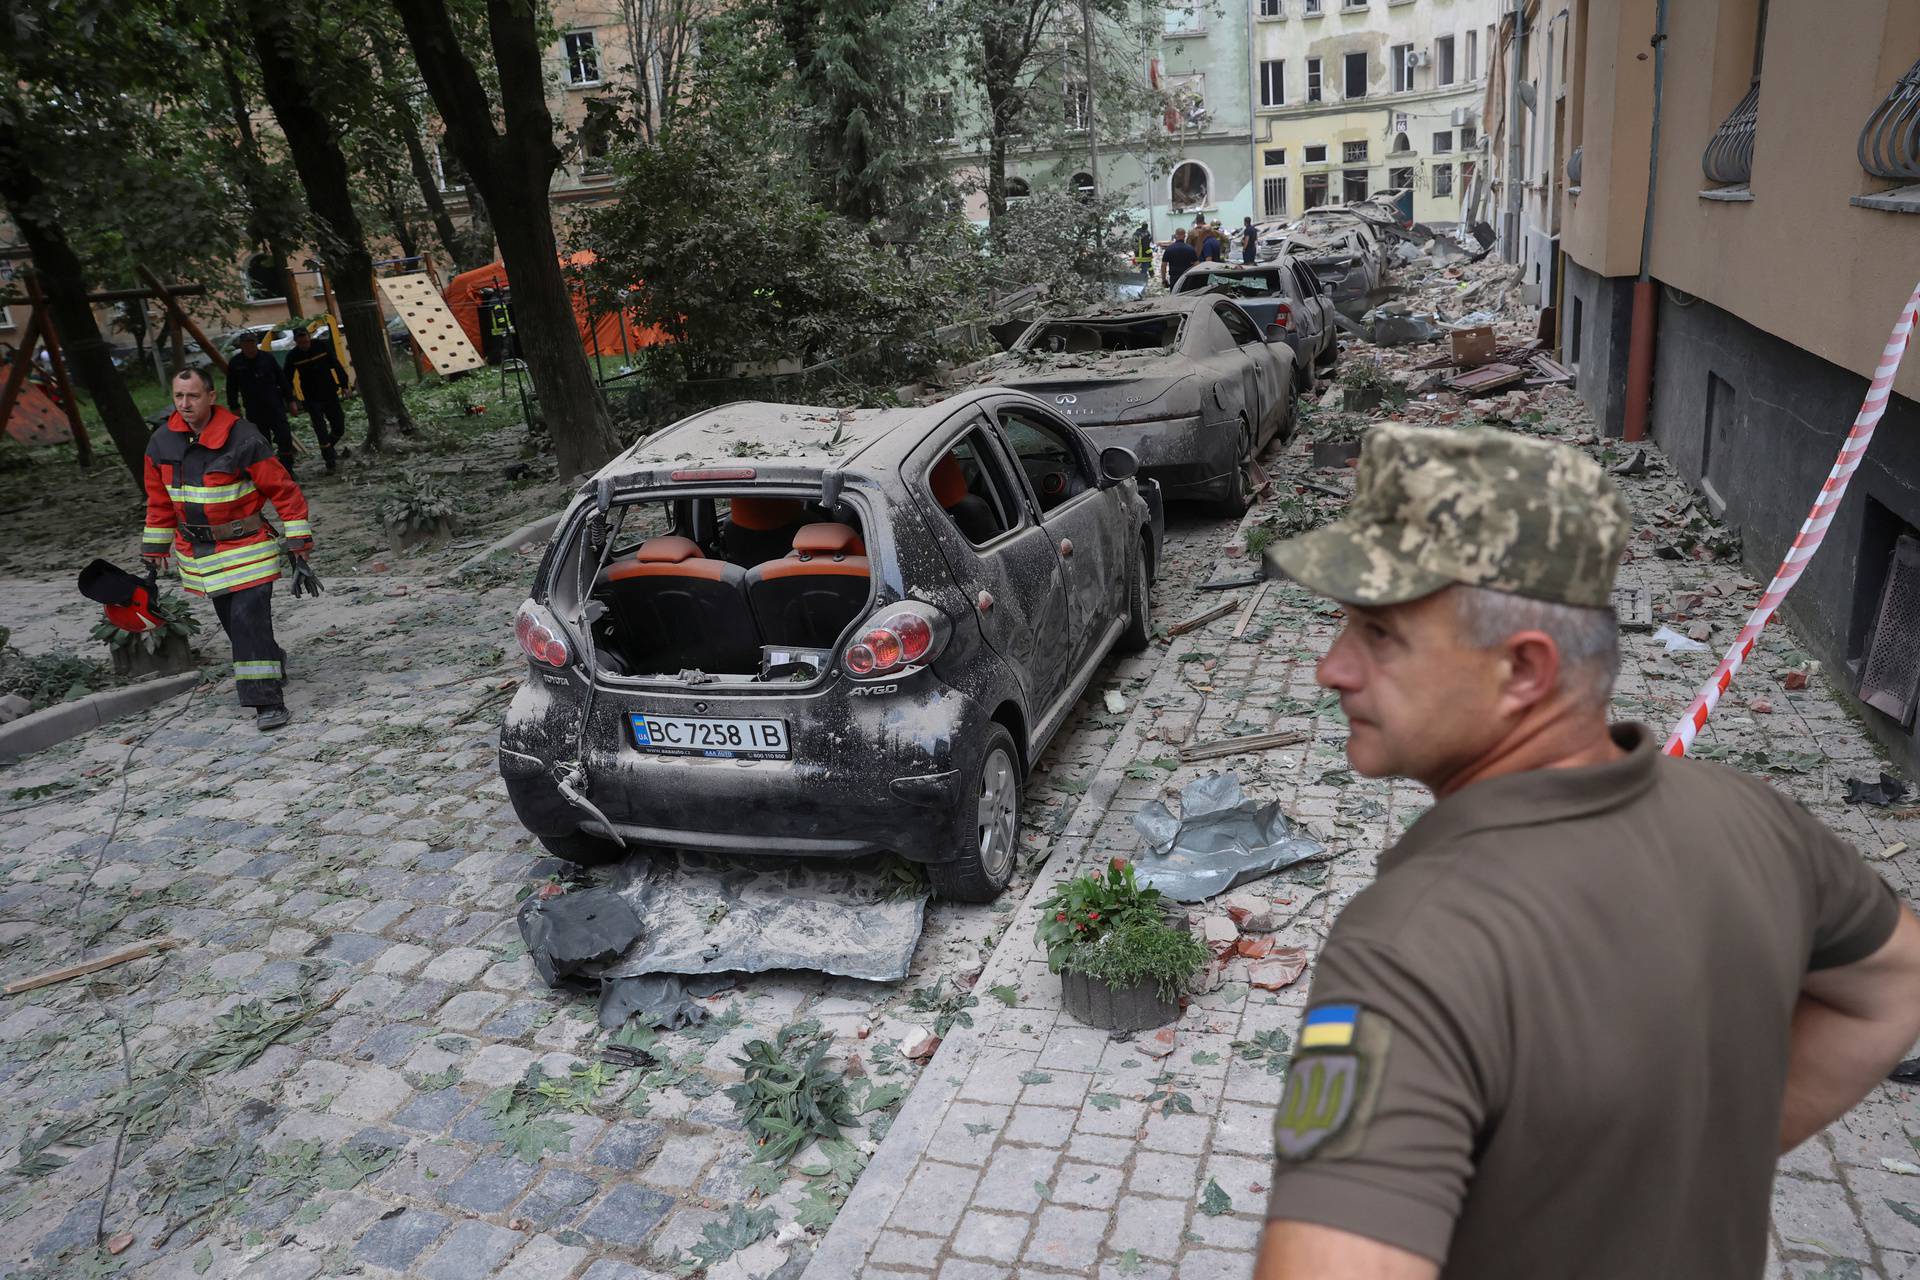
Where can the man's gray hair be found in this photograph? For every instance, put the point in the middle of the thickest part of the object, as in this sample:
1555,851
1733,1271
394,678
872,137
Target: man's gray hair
195,371
1588,639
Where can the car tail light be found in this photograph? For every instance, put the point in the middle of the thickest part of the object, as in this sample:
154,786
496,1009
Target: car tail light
719,473
539,636
1283,316
899,636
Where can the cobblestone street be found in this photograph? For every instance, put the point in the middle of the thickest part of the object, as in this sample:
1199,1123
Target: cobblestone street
348,1066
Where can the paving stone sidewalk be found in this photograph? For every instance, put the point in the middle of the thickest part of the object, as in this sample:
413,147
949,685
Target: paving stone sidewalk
1035,1146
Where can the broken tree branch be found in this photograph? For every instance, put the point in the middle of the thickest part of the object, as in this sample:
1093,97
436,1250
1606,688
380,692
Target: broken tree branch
1198,620
1244,745
85,967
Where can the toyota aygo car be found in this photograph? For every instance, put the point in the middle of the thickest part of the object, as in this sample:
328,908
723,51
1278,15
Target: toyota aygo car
773,629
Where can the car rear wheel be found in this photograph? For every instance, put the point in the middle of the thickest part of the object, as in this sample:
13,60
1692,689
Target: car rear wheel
1239,494
986,836
1139,632
583,849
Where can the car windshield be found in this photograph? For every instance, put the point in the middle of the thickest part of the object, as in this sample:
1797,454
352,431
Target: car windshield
1256,284
1132,333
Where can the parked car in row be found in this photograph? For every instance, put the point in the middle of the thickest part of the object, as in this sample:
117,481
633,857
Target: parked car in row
772,629
1285,295
1188,382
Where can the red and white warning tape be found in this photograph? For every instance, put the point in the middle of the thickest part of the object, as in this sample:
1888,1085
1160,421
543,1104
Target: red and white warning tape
1811,532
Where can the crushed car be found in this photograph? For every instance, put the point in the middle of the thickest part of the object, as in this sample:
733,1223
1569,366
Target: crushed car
1188,382
774,629
1283,295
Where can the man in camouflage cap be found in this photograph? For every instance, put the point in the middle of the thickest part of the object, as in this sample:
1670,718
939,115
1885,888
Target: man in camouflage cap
1594,991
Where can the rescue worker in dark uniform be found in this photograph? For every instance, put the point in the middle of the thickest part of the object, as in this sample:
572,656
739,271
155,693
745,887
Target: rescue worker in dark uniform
258,390
1595,991
208,474
318,381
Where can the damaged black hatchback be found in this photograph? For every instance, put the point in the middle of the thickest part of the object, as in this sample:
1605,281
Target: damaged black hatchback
772,629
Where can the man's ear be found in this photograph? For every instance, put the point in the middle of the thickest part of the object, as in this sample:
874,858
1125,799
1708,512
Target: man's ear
1533,670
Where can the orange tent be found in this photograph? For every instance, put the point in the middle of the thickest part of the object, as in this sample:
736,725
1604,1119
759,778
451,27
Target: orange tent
599,332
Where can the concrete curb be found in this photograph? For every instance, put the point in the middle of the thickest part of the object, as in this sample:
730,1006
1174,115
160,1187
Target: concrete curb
861,1219
533,531
55,724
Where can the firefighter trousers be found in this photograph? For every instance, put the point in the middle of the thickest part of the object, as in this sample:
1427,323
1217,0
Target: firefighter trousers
329,424
259,674
272,421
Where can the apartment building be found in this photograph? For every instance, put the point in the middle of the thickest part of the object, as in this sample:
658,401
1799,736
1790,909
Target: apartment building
1778,252
1356,96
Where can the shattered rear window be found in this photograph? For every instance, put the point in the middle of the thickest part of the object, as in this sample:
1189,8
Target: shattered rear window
1258,284
1134,333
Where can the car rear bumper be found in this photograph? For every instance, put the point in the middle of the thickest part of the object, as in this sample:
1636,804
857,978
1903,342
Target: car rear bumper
1190,458
859,782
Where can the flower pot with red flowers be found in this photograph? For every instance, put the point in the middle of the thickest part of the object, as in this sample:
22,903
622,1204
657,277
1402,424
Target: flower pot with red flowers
1123,960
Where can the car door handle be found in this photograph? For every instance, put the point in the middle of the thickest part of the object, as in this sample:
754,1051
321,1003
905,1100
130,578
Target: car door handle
1066,546
985,601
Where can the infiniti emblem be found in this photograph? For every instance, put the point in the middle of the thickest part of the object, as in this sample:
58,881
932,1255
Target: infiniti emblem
1066,399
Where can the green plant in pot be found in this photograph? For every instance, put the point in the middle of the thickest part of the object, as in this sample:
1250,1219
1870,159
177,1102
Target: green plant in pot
1122,963
164,649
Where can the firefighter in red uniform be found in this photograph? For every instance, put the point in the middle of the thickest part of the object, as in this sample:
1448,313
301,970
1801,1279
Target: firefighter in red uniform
208,474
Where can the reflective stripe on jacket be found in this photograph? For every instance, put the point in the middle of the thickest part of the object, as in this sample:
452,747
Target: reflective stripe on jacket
226,473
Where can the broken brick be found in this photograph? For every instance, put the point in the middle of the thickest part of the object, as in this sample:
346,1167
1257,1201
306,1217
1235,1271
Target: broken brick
1281,968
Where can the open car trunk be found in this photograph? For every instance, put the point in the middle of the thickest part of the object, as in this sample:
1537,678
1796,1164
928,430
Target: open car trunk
735,589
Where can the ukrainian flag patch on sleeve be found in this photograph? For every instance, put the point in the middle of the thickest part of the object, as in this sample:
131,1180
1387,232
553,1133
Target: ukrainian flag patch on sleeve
1333,1082
1329,1026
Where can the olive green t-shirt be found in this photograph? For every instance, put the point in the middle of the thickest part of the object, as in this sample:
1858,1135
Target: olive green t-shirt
1551,1039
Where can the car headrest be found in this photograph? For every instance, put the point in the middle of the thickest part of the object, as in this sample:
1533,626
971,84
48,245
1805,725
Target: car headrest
667,550
949,481
825,539
762,514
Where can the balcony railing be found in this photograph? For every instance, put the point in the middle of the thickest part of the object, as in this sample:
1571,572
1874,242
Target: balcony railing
1729,157
1890,143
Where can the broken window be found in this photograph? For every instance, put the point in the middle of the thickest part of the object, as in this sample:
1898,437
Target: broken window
1353,185
1132,333
1443,180
1082,185
1400,58
1313,79
583,58
1401,179
1313,191
1190,187
1443,141
1890,142
1469,137
1356,75
1353,152
1183,18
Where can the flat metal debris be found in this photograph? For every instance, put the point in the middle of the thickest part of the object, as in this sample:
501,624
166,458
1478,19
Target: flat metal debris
1221,839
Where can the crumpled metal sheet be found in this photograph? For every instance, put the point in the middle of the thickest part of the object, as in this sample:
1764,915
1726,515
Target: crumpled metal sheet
1221,839
703,914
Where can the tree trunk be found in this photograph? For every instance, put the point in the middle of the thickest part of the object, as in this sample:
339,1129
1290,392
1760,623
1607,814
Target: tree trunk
510,171
89,356
252,173
422,167
322,167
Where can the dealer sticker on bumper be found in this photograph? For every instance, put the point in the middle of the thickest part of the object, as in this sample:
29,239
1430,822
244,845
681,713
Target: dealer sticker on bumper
702,736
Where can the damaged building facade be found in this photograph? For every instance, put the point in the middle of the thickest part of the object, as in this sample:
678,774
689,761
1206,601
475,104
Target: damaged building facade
1359,96
1777,251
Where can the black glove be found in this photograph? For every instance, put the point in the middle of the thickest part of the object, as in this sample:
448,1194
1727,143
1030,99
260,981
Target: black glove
305,580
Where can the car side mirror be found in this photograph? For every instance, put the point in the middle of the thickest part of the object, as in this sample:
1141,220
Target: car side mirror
1276,334
1118,463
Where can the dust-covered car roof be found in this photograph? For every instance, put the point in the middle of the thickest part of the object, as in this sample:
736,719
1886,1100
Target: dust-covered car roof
798,434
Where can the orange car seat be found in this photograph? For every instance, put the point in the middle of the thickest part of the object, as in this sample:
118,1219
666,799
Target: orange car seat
760,529
969,510
808,598
675,609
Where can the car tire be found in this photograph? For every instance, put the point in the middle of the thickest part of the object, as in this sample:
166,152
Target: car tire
1239,495
986,826
1139,632
584,850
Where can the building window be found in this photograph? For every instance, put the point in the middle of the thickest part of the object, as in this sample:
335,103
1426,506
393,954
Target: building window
1353,4
1402,144
1443,60
1273,156
1018,189
1189,109
1886,147
940,116
1273,196
1082,185
1183,18
1356,77
1313,191
1273,83
1077,104
1466,177
1310,8
1443,180
264,282
593,154
1353,185
1313,79
1729,156
1468,138
1400,58
583,58
1271,9
1314,153
1353,153
1399,179
1443,142
1190,186
446,167
1473,55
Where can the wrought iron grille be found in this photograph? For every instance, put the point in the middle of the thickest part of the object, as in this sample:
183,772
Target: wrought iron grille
1890,143
1729,157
